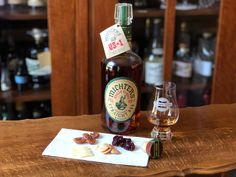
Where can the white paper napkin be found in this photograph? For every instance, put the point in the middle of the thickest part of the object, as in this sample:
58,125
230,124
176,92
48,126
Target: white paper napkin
64,146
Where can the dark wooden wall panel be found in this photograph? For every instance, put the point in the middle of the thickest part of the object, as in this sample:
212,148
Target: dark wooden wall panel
62,45
224,83
82,46
169,34
101,16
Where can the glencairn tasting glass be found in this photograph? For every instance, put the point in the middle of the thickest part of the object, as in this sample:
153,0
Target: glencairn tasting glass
163,110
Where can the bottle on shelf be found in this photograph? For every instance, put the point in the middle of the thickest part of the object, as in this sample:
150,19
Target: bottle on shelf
182,62
11,58
184,35
2,3
21,75
39,36
154,60
203,65
5,77
182,98
6,111
41,109
121,81
21,111
40,77
206,95
147,36
16,4
37,3
140,4
203,69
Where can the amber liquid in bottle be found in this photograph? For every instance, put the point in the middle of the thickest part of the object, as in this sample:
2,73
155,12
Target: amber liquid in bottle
128,65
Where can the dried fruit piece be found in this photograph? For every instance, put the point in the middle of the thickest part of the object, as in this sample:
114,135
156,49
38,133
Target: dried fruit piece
91,141
88,138
79,140
126,143
95,135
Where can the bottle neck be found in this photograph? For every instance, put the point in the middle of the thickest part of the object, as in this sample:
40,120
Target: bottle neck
156,41
128,33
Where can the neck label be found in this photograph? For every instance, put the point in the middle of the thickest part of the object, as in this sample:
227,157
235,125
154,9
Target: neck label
114,41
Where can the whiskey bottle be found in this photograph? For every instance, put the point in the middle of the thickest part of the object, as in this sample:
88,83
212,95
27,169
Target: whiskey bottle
5,77
6,112
21,76
21,111
154,59
183,62
121,81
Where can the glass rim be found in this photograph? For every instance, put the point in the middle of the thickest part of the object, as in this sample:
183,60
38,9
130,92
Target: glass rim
166,84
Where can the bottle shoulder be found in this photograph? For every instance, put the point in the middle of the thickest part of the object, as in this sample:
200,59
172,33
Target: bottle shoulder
128,58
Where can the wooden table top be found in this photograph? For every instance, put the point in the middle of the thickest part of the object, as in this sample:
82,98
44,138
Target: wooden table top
204,143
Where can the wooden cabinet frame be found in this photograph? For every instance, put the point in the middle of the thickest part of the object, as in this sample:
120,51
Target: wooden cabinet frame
74,27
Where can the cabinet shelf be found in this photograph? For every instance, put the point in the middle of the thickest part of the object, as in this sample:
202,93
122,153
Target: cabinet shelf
213,11
26,96
25,13
149,13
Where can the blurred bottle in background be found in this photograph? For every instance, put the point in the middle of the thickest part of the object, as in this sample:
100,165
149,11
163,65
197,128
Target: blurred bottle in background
40,76
7,112
21,111
147,36
140,4
11,58
41,109
21,75
154,60
5,76
182,62
14,4
2,3
203,64
37,3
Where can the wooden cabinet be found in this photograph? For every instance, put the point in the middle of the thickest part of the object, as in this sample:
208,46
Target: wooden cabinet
16,22
77,51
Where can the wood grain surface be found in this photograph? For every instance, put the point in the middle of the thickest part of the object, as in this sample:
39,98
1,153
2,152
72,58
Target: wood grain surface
61,24
82,64
224,82
204,143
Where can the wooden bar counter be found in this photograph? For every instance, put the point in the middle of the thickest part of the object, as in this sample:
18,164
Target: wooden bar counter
204,143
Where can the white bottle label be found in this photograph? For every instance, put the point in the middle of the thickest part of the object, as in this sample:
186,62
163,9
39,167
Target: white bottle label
2,2
121,97
114,41
36,3
182,69
162,104
203,68
153,72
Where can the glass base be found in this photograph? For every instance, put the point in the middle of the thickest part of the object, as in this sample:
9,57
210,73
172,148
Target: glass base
162,133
